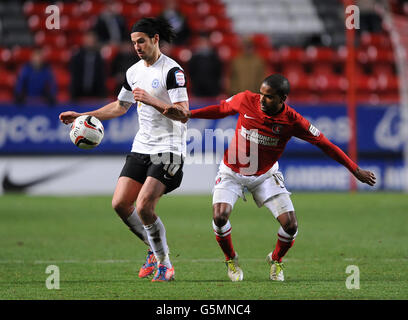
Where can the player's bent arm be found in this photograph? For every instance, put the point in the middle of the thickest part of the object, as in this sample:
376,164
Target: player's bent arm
112,110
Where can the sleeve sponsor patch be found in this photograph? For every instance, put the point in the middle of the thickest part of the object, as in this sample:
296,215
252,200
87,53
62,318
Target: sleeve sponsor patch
180,79
175,79
314,131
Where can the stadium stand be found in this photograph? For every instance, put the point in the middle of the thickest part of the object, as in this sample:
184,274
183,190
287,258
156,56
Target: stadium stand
303,39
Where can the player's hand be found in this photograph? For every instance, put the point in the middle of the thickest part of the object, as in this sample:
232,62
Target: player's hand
365,176
142,96
178,113
68,116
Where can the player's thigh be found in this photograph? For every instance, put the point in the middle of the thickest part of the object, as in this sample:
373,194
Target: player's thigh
125,194
269,188
281,205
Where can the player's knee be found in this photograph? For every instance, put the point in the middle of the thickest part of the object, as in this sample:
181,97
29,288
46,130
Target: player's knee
221,215
290,227
118,205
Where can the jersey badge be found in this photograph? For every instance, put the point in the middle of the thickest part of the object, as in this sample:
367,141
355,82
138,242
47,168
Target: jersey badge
276,128
155,83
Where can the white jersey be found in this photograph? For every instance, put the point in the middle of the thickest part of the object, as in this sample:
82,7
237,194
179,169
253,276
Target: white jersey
164,80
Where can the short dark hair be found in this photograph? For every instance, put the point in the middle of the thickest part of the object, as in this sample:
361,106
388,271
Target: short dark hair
279,83
152,26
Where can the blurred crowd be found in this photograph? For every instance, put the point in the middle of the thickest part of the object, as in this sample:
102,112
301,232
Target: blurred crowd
96,66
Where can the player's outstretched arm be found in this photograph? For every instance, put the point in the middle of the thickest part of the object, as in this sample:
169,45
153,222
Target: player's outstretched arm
112,110
365,176
337,154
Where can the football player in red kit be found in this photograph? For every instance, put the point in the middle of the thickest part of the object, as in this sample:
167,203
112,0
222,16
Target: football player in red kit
265,124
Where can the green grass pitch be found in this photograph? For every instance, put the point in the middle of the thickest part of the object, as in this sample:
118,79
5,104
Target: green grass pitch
99,258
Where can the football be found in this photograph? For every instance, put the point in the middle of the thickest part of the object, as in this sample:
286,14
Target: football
86,132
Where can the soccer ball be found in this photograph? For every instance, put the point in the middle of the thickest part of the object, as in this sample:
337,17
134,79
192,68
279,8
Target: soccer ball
86,132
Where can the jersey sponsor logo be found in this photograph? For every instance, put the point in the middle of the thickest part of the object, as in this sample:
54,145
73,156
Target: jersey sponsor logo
248,117
276,128
155,83
218,181
180,79
254,136
314,131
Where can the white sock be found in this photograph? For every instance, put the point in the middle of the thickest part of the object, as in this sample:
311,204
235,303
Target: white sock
156,234
284,236
136,226
222,231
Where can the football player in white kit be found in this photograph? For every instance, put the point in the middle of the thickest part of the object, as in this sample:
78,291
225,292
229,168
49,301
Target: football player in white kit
154,166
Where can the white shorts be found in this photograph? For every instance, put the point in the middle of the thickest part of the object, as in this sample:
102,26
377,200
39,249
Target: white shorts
229,186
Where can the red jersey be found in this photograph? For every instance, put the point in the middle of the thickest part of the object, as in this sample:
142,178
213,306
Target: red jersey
259,139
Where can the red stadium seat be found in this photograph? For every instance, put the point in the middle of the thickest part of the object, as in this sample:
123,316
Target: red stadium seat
320,54
226,53
377,55
383,69
332,96
366,83
187,9
50,38
324,68
70,9
211,23
149,8
368,97
130,12
63,95
298,79
21,54
57,56
71,24
261,41
62,77
375,39
91,8
388,83
291,54
8,79
35,8
389,97
181,54
205,9
108,52
5,56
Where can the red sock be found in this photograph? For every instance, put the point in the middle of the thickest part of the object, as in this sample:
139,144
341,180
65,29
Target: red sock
226,245
280,249
223,237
